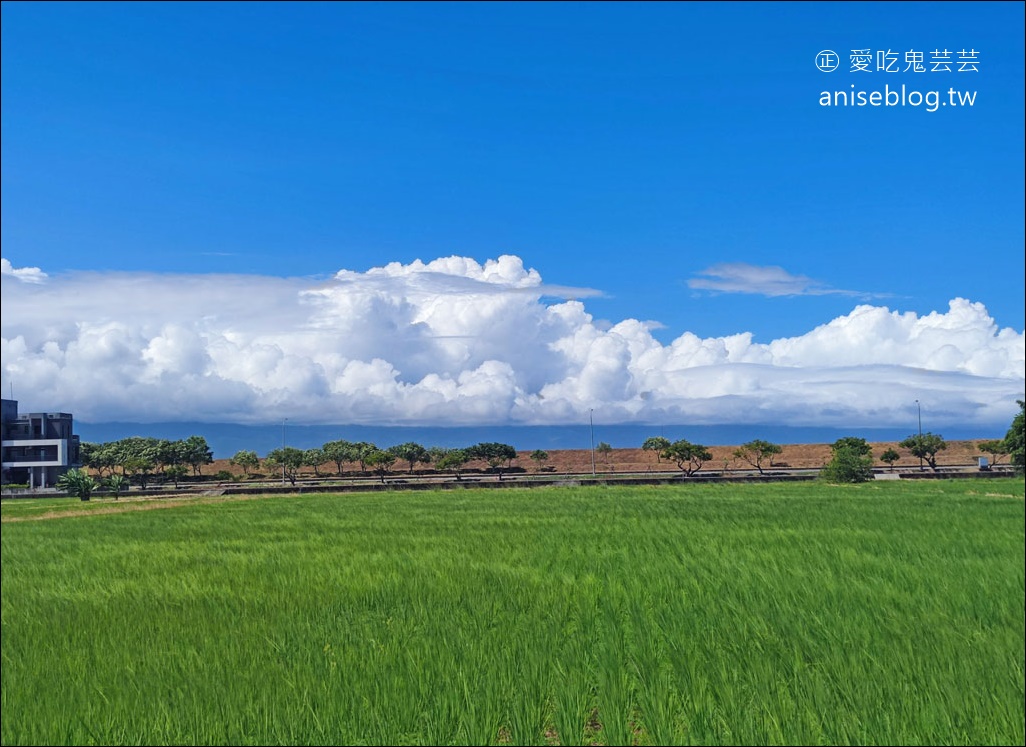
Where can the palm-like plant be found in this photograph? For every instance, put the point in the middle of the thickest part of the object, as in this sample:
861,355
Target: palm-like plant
78,483
117,483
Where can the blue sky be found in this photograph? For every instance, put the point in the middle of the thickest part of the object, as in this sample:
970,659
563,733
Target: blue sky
658,162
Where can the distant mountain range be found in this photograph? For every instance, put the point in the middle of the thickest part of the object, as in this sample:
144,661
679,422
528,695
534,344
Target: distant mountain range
226,438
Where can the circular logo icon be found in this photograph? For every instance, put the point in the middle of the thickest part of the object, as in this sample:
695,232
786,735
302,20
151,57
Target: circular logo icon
827,60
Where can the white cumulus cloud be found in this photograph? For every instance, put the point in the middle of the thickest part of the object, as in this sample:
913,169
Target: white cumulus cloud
457,342
24,274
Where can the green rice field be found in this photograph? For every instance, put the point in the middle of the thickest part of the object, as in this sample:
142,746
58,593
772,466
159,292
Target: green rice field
884,613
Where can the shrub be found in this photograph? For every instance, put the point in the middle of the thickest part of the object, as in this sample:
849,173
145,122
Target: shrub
78,483
852,462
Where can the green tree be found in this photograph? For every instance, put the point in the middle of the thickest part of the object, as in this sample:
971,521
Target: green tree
109,457
196,453
411,453
139,469
116,483
658,444
754,452
925,447
996,448
289,460
176,472
852,462
104,458
604,451
361,450
857,445
339,452
889,457
165,454
688,457
497,455
247,460
380,462
1015,439
87,452
452,460
315,457
78,483
538,456
137,454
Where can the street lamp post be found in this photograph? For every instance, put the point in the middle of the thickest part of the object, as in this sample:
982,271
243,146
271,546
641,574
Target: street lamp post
919,411
591,423
283,450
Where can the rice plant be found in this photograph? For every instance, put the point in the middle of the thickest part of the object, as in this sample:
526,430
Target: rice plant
882,613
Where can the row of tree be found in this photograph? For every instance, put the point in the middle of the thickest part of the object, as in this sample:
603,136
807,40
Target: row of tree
141,458
852,458
379,461
758,453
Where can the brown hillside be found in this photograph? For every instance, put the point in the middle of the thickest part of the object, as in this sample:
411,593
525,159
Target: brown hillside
794,456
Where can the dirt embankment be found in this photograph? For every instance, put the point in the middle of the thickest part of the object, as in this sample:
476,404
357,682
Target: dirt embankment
793,456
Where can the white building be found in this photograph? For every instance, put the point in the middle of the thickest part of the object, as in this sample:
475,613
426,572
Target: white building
36,448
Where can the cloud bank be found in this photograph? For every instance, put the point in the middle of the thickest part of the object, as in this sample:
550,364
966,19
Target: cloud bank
455,342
